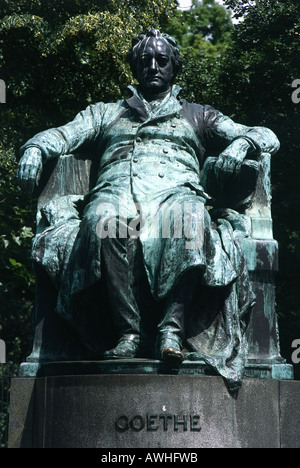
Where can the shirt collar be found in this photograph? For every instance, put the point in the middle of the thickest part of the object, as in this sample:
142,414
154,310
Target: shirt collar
168,105
175,90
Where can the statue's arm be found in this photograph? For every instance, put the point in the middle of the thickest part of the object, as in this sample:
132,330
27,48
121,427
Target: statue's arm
55,142
240,141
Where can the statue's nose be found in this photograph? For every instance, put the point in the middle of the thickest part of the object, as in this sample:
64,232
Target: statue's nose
153,65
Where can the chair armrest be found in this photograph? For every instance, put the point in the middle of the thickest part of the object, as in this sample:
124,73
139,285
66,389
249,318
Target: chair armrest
69,174
260,208
249,193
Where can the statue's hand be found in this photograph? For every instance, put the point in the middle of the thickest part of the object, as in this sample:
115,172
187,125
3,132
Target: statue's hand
29,169
229,162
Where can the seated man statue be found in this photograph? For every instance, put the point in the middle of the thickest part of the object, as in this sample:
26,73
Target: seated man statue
145,230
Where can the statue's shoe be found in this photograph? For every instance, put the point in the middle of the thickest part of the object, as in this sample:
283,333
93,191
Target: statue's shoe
125,349
171,350
172,355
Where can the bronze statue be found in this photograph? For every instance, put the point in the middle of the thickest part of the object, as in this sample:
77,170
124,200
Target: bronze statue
170,270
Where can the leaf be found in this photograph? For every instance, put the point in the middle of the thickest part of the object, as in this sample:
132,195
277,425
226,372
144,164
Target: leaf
15,264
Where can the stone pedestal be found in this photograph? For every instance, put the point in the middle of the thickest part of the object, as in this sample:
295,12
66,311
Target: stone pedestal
152,411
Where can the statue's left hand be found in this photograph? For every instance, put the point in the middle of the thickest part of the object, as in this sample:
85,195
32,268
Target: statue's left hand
29,169
229,162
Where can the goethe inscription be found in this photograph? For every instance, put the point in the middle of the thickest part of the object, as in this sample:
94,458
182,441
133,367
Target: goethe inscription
155,422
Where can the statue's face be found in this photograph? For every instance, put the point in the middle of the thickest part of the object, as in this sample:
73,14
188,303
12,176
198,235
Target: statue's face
155,67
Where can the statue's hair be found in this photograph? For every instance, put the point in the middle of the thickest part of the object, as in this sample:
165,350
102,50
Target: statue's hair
133,54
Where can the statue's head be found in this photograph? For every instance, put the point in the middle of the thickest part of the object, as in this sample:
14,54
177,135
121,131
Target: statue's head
155,61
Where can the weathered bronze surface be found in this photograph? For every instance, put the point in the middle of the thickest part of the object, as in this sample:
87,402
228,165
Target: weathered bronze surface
141,244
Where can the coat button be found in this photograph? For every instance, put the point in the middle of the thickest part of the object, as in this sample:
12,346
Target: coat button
161,175
135,174
166,151
135,160
138,139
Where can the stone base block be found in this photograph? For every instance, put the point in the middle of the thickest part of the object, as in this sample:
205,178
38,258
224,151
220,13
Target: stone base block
262,370
152,411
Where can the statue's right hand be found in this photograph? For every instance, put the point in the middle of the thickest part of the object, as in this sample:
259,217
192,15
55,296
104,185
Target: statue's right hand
29,169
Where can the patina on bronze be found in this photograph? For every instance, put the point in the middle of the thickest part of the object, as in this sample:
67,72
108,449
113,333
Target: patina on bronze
142,244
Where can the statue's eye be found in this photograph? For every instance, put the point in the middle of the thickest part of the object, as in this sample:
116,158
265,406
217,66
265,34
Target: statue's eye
146,59
162,60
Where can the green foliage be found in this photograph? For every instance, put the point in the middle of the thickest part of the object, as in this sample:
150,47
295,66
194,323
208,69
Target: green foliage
16,278
204,34
205,28
72,53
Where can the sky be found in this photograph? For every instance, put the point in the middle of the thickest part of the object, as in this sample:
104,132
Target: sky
185,4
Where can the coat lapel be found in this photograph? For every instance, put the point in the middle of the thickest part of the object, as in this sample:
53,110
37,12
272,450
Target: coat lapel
135,103
167,109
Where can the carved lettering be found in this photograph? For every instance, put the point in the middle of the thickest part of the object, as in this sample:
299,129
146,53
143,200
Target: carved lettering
122,424
152,422
165,418
178,421
155,422
195,419
137,423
